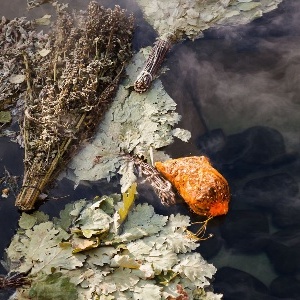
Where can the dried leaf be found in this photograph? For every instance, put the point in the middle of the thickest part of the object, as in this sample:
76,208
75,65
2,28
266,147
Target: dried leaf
44,21
5,116
44,52
19,78
124,261
128,200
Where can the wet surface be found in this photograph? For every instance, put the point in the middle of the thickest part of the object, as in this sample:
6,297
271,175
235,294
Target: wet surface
238,93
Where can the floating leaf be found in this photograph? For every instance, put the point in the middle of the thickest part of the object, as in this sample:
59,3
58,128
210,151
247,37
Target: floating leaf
128,200
182,134
118,277
53,286
26,221
124,261
194,267
180,19
80,245
93,220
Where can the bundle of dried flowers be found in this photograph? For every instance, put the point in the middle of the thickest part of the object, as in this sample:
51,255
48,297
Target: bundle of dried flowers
70,84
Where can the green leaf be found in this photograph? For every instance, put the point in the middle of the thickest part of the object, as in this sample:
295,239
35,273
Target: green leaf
93,220
161,260
148,259
59,257
65,220
181,19
53,286
27,221
165,278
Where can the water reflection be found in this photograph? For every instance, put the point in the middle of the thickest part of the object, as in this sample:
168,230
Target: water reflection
238,92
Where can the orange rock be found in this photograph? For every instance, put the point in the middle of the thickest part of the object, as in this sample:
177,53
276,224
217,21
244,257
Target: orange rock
201,186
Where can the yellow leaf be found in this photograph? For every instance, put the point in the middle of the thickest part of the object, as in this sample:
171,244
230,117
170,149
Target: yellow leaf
79,244
128,200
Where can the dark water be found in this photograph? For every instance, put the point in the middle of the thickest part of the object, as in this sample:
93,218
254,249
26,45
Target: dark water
238,91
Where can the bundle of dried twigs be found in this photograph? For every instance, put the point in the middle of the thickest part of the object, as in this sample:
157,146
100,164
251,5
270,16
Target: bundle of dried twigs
69,88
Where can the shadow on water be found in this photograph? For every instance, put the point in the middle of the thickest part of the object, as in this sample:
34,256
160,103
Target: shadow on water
231,88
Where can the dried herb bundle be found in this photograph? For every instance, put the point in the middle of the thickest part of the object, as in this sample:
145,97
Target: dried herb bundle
69,88
16,37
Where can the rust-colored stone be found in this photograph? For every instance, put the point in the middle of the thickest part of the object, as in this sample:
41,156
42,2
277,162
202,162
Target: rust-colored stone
201,186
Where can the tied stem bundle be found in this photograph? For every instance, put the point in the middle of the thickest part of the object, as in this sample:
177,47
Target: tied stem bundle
69,88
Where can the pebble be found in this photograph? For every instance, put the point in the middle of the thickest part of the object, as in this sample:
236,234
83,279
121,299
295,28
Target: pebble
286,287
246,230
268,190
236,285
283,250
